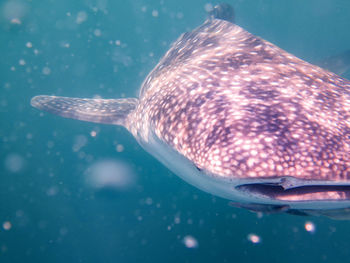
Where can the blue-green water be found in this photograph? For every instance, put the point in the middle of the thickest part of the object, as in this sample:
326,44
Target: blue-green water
51,212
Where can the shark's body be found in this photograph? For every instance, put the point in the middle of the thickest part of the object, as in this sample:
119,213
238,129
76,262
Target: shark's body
240,118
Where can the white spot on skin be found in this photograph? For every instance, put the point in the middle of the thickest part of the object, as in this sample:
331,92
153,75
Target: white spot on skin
265,77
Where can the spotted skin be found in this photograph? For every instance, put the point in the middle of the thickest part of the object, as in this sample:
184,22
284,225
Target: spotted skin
240,118
238,106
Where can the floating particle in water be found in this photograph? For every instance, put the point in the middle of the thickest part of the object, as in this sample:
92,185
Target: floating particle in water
79,142
208,7
14,11
149,201
310,227
64,44
155,13
22,62
177,220
46,71
81,17
99,5
97,32
50,144
14,162
52,191
7,225
179,15
3,248
7,85
93,133
255,239
110,174
42,224
119,55
190,242
19,213
63,231
29,45
119,148
16,21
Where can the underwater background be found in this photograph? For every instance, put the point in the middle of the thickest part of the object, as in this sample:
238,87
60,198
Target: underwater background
73,191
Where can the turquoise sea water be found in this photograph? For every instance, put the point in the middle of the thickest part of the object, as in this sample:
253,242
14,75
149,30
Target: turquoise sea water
55,207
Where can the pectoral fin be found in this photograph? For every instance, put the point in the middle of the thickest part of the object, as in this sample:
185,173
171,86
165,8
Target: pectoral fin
108,111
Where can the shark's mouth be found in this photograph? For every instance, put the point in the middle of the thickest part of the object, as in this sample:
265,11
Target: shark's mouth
298,194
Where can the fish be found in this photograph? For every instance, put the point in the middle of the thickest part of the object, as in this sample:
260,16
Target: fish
240,118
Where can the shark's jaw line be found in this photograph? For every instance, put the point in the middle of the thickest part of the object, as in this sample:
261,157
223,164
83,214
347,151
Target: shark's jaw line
286,191
307,193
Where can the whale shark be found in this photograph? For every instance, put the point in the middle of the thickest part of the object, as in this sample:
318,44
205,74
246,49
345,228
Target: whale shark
240,118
